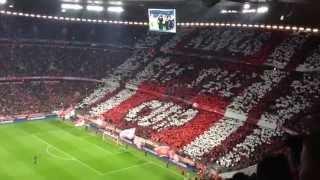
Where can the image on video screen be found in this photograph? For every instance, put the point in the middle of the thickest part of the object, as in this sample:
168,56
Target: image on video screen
163,20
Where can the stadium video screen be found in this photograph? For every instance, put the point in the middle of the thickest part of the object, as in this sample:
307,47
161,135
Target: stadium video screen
162,20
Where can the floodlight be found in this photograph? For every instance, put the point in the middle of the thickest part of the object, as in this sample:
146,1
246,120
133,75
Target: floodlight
246,6
95,8
262,9
115,9
71,6
118,3
3,2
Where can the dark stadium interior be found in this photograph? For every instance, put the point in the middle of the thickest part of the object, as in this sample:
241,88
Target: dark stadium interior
234,93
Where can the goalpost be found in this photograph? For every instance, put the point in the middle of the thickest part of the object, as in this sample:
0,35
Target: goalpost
107,135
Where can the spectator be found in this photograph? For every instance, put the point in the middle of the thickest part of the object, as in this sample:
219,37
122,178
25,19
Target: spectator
310,158
240,176
274,168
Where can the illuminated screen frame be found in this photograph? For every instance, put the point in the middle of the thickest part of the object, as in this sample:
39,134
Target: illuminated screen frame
162,20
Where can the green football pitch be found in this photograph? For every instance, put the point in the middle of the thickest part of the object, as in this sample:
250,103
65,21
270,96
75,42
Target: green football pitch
55,150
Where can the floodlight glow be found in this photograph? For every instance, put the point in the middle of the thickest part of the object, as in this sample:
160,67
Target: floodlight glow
282,17
71,1
94,2
71,6
95,8
3,1
315,30
223,11
118,3
246,6
262,9
245,11
115,9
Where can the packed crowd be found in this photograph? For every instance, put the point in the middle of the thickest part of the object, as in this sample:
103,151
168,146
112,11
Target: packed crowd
40,96
276,49
112,102
246,150
49,59
125,71
143,89
241,143
299,161
234,41
312,63
211,138
160,115
252,95
303,95
16,27
222,81
284,52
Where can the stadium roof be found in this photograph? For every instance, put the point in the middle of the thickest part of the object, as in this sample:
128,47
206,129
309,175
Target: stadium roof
281,12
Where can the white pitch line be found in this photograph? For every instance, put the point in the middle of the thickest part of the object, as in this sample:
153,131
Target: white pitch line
107,151
154,163
170,170
123,169
55,156
75,159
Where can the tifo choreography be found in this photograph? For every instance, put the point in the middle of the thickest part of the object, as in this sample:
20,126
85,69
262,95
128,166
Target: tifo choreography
219,92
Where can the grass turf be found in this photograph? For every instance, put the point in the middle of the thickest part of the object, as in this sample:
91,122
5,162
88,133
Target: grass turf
68,153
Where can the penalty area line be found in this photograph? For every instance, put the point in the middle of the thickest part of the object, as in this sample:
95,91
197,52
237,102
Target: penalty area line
74,158
56,156
124,169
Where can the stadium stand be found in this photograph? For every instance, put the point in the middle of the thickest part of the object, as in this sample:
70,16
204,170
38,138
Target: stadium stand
226,106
